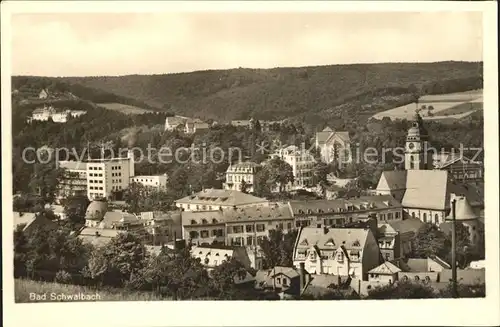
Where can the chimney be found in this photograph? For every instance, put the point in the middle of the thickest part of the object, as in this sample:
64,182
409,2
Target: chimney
302,276
130,155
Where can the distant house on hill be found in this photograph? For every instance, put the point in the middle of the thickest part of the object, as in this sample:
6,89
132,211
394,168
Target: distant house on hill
44,94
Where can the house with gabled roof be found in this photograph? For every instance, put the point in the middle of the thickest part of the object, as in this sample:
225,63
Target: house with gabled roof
334,146
336,251
386,273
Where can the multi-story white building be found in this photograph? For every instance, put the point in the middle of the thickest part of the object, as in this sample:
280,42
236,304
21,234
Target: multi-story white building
105,176
302,163
46,113
241,172
152,182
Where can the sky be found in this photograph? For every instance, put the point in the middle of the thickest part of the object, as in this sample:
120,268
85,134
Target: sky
92,44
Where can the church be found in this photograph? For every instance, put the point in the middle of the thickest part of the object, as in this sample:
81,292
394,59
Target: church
424,191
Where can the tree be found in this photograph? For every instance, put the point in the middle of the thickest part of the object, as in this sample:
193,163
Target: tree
464,291
429,241
45,181
464,249
262,186
21,249
278,248
75,208
280,173
320,173
402,290
244,186
118,262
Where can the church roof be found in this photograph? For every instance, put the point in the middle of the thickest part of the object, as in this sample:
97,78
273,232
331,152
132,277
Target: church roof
394,179
426,189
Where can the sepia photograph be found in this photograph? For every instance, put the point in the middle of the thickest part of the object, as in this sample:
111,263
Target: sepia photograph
178,156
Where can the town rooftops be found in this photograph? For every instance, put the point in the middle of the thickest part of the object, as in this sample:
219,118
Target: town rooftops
427,189
290,272
236,215
422,265
362,203
333,238
393,180
221,198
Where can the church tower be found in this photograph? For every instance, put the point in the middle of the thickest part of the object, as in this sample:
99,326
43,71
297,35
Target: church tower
416,146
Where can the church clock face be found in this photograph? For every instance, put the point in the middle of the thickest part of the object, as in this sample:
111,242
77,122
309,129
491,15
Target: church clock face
411,146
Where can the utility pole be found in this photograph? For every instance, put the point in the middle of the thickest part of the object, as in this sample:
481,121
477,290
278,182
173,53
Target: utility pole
453,250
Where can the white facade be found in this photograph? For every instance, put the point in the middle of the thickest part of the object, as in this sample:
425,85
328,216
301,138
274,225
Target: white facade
157,182
236,174
43,114
105,176
302,163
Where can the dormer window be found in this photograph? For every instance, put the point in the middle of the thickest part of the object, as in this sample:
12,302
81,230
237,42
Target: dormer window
204,221
340,256
355,243
193,222
312,255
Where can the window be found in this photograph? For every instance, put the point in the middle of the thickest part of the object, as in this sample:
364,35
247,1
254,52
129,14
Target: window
397,215
389,216
289,226
237,229
340,257
436,219
425,217
417,278
193,234
278,280
387,256
229,229
249,240
285,282
413,215
204,233
249,228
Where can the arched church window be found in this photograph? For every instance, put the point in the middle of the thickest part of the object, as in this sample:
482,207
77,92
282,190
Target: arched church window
413,214
436,219
425,217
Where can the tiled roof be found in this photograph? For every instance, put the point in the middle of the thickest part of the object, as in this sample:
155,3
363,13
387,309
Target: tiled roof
394,179
221,197
113,217
427,189
349,238
385,269
236,215
362,203
290,272
407,225
327,134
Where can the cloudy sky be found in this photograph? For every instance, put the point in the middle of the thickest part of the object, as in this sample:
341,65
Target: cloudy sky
74,44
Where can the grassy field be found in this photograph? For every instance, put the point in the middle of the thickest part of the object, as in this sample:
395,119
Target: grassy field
55,292
446,106
124,108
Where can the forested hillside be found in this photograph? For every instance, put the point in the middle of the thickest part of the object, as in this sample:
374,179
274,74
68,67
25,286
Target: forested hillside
310,94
